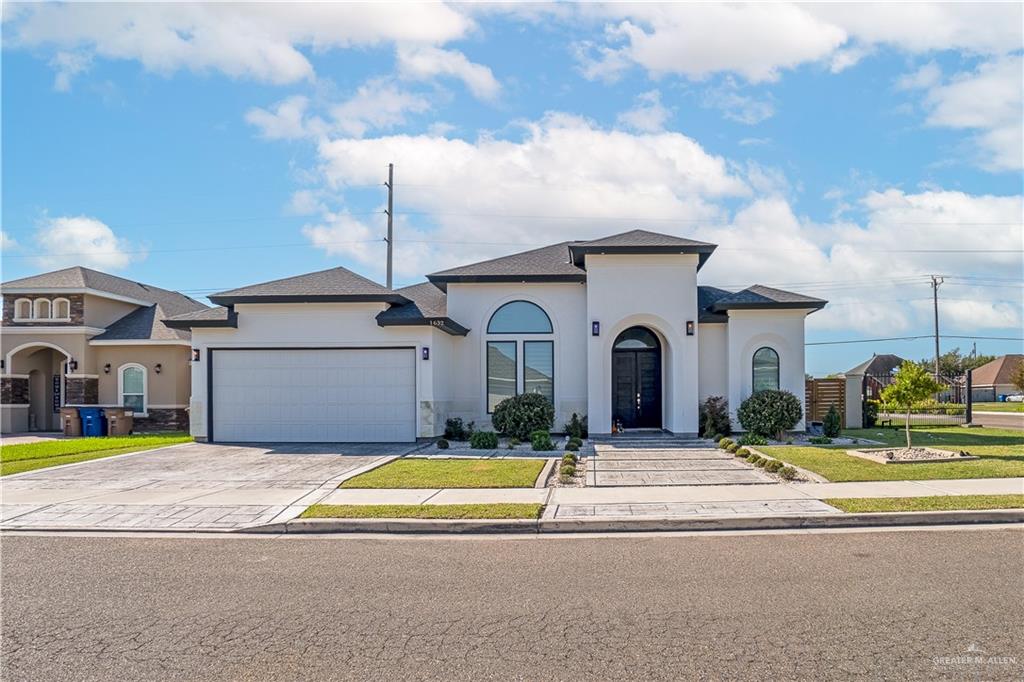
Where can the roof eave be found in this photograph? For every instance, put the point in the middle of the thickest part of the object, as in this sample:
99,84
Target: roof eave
445,324
227,300
581,251
785,305
441,281
231,322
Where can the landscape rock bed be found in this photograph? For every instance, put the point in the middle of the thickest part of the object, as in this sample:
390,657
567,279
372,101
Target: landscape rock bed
911,455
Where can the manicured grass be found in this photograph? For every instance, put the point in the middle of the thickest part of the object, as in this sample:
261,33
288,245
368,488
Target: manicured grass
423,511
998,407
16,459
451,473
1001,452
938,503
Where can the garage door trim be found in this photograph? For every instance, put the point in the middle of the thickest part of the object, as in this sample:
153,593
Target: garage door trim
209,371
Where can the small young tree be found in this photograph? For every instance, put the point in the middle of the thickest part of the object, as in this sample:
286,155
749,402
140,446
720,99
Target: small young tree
912,384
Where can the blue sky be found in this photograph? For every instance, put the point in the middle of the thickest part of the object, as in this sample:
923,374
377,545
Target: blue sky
843,151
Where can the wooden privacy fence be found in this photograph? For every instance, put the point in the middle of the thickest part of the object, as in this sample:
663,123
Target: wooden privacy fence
821,394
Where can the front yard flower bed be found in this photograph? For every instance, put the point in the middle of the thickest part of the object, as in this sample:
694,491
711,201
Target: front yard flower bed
911,455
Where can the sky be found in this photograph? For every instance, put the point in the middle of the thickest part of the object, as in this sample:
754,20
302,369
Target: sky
843,151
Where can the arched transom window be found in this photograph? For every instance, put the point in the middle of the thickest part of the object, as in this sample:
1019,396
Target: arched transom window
61,309
766,370
508,353
131,384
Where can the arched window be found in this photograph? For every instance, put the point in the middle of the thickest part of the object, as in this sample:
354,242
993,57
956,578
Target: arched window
131,387
41,309
636,338
519,317
519,365
766,370
23,309
61,309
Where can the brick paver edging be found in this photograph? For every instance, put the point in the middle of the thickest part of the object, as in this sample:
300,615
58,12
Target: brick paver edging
598,525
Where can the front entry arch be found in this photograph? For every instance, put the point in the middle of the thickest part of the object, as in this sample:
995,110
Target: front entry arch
636,379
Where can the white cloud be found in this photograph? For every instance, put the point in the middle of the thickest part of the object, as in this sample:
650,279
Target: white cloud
735,106
648,116
286,121
305,202
81,240
68,65
989,100
926,76
7,242
426,62
376,104
260,41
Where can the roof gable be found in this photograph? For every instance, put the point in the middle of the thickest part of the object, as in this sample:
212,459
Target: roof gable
332,285
548,264
640,242
143,324
427,305
759,296
997,371
79,278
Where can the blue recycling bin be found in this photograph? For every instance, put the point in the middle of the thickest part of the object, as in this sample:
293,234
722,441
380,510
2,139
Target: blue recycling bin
93,423
1001,398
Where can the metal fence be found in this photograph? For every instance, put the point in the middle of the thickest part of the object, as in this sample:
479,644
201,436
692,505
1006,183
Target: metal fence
951,406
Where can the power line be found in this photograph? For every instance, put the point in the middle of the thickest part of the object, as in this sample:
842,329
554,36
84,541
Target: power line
913,338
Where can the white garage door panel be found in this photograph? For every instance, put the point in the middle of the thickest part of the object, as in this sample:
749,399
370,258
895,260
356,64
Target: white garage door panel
308,396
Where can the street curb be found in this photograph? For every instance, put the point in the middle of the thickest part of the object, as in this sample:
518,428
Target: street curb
626,525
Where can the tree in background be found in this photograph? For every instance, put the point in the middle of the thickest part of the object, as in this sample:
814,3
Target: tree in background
1017,376
911,385
952,363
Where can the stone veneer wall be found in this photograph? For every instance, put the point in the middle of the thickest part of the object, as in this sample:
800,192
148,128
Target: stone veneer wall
77,310
78,391
13,391
162,420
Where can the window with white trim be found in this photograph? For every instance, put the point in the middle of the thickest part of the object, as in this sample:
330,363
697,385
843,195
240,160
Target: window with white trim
765,366
524,363
23,309
41,309
61,309
131,387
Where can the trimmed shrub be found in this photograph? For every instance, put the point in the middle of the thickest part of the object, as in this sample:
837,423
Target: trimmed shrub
541,441
832,423
578,441
819,440
569,457
484,440
717,437
576,428
454,429
733,448
870,413
754,459
752,439
567,470
742,452
787,472
724,443
770,413
773,465
714,417
571,445
761,462
442,444
523,414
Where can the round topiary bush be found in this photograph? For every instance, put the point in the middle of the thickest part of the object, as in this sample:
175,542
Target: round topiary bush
484,440
442,444
540,441
788,473
732,448
770,413
724,443
567,470
742,452
523,414
571,445
773,465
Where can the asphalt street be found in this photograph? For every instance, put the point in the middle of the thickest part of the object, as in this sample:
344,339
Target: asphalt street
895,605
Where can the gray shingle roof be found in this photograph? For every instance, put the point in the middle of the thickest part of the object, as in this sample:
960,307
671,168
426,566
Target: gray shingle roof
641,241
759,296
143,323
208,317
550,263
427,305
336,284
83,278
877,365
706,296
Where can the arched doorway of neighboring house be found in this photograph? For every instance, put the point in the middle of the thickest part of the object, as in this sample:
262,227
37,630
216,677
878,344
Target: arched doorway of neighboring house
636,379
45,366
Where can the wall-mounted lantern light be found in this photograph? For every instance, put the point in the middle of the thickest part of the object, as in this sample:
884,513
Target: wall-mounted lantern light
689,327
72,365
195,355
595,328
426,353
158,368
106,368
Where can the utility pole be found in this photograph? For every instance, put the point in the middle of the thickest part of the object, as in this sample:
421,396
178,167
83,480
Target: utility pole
936,281
391,216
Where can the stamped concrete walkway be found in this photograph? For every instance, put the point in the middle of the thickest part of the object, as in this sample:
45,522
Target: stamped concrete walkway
664,460
195,486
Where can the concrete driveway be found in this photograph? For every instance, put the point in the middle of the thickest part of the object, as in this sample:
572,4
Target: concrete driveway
187,487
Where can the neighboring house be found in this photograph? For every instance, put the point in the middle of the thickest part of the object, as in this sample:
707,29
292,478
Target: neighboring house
992,379
878,365
81,337
615,328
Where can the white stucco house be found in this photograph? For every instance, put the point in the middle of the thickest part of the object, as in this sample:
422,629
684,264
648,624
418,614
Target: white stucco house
616,329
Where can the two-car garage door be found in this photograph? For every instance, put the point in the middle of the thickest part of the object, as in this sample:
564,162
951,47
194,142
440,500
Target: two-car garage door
314,396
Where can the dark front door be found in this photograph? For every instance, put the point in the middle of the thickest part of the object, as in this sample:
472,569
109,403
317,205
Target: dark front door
636,388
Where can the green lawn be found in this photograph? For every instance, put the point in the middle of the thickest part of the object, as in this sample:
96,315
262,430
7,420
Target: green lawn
451,473
998,407
423,511
16,459
1001,452
938,503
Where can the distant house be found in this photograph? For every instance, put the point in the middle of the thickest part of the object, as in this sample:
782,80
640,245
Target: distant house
878,365
993,378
